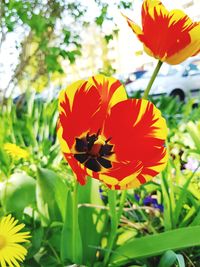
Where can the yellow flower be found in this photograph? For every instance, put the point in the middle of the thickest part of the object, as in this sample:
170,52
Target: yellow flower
10,250
15,151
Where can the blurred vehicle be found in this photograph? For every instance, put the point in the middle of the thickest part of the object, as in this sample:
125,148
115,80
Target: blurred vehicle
174,80
130,77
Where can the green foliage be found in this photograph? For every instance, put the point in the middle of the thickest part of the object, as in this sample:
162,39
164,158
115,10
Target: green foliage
71,243
169,258
101,18
94,220
40,191
50,32
51,195
156,244
18,192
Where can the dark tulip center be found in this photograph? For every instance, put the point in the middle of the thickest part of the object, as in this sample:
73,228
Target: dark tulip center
94,152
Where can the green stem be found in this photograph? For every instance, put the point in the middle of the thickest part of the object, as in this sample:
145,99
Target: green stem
146,92
54,252
115,219
121,204
75,221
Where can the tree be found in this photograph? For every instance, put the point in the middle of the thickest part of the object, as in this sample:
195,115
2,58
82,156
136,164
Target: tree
50,31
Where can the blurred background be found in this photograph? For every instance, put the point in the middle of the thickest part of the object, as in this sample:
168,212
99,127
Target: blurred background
49,44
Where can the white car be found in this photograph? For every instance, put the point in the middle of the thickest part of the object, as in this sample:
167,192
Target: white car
176,80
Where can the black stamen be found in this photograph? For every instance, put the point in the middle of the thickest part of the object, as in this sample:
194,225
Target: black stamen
104,162
108,139
90,141
94,158
93,165
81,157
81,145
105,150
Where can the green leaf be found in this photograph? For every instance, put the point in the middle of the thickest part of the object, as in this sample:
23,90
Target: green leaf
10,24
153,245
67,36
112,200
49,261
169,258
100,19
4,161
126,234
196,220
18,192
38,23
167,203
195,134
181,260
63,53
71,244
36,241
126,4
92,220
182,199
54,51
72,55
51,194
108,38
52,63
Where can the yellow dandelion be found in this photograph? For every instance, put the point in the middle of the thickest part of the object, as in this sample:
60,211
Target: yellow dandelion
15,151
10,250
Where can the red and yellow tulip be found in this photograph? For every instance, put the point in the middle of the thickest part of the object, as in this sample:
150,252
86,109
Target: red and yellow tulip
111,138
170,36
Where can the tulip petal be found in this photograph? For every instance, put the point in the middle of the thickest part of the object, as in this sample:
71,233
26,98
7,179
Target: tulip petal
152,7
168,36
84,105
110,89
111,92
135,126
108,137
151,168
63,143
78,169
139,137
135,27
78,104
172,34
192,49
123,175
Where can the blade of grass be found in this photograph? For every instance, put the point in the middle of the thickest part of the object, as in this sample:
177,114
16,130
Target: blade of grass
169,258
114,224
166,202
157,244
182,197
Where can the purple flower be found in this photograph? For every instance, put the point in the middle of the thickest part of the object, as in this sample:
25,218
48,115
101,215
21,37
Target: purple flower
150,201
137,197
192,164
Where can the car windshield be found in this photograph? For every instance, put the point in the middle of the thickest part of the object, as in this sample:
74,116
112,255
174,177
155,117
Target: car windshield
194,67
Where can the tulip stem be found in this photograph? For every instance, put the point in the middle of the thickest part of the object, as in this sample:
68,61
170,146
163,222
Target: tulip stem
115,219
154,75
75,221
121,204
